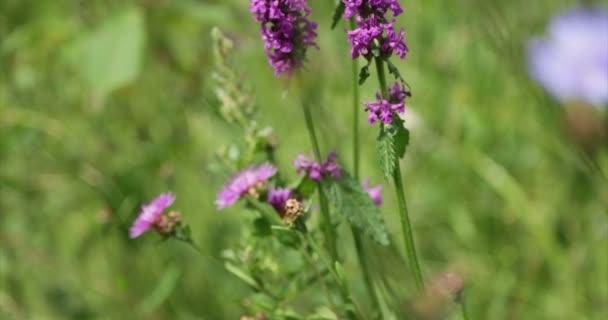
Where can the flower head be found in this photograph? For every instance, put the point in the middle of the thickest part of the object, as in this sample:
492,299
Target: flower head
382,109
374,32
316,171
150,214
286,30
277,199
572,63
375,193
244,182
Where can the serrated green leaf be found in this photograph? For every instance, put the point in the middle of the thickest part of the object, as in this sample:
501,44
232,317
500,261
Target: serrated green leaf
338,12
387,153
401,137
111,56
393,70
348,197
363,74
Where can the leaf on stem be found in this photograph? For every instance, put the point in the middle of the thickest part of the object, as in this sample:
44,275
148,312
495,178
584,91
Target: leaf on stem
338,12
348,197
363,74
387,153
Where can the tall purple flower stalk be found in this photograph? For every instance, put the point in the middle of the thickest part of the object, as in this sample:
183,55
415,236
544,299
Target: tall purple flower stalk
375,33
382,109
572,63
243,183
316,171
286,31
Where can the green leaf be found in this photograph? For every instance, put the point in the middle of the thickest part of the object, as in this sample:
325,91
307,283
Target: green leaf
363,74
393,70
387,153
338,12
165,286
244,276
303,186
348,197
261,227
401,136
110,56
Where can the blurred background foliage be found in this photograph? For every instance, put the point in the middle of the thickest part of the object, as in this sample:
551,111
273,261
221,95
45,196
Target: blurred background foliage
105,103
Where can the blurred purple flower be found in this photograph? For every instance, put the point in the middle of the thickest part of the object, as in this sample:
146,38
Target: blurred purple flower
242,183
316,171
572,63
374,30
375,193
150,213
286,30
382,109
277,199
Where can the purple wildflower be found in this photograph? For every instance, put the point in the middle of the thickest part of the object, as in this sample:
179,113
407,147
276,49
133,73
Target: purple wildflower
375,193
374,30
316,171
244,182
150,214
286,30
382,109
277,199
572,64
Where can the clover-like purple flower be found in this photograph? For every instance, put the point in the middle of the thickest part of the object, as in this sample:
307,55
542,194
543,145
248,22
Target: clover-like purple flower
374,32
150,214
316,171
572,62
375,193
382,109
286,31
278,197
244,182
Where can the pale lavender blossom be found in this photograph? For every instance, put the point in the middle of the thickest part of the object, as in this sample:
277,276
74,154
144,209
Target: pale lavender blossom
572,62
374,30
316,171
375,193
150,214
278,197
286,31
244,182
383,109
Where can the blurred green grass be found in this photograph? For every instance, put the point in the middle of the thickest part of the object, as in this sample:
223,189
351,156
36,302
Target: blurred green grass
89,130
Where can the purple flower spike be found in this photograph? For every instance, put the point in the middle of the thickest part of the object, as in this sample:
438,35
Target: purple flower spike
150,213
277,199
374,193
286,31
383,109
316,171
242,183
374,30
572,63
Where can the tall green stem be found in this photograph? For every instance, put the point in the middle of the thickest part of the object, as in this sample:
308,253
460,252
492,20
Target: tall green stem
340,281
356,152
327,226
406,226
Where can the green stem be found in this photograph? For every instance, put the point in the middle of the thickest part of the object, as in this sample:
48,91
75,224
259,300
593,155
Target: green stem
406,226
356,152
327,226
342,285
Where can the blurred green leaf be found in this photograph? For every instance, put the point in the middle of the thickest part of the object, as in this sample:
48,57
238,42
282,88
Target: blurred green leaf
110,56
349,198
166,284
338,12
